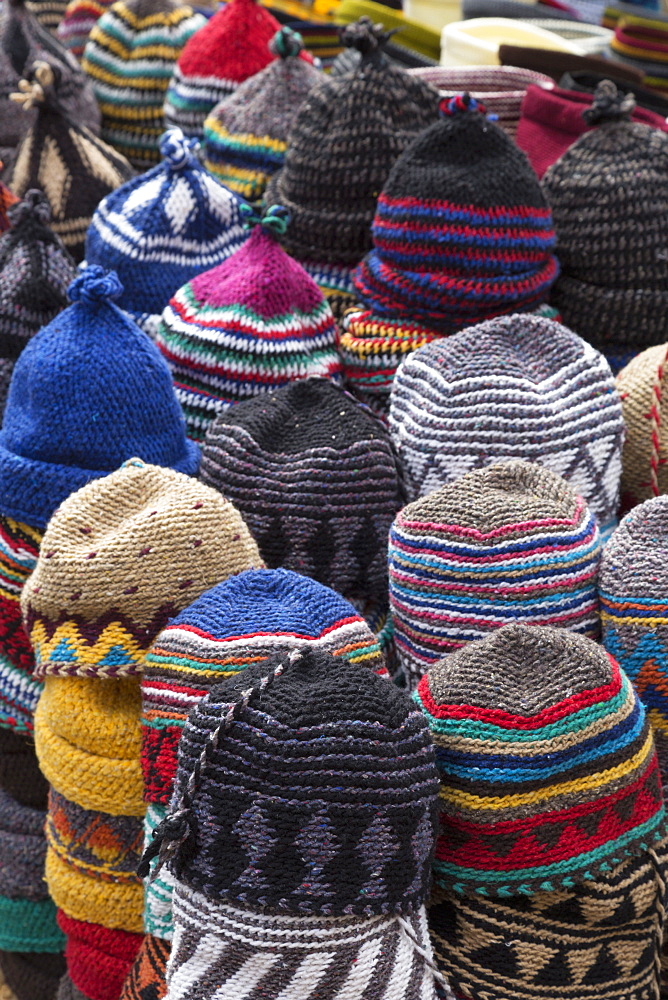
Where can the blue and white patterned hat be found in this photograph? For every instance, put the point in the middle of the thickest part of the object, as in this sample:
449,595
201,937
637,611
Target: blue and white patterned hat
162,228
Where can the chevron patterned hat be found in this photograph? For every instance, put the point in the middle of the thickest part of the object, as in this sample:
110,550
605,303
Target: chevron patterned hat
306,870
513,387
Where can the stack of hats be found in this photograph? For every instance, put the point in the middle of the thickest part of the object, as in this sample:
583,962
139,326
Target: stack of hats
642,42
634,610
551,856
250,325
510,542
233,626
245,136
174,538
513,387
129,57
304,873
164,227
642,387
78,21
232,46
462,233
35,273
23,42
608,194
72,166
342,144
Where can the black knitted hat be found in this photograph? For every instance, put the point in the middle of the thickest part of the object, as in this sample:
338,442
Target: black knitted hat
314,475
342,144
609,198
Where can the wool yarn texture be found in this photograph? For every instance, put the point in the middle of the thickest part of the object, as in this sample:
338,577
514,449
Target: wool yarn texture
633,594
98,958
27,975
78,21
314,475
147,978
23,41
517,386
159,889
341,146
48,13
23,850
299,873
73,167
68,991
604,192
19,689
163,228
252,324
508,543
55,437
245,135
35,273
20,776
641,389
129,57
231,47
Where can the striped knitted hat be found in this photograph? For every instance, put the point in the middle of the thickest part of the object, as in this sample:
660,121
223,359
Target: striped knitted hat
147,976
245,136
19,690
514,387
35,272
232,46
168,535
129,57
317,865
643,390
633,591
342,144
584,792
315,478
98,958
162,228
72,166
250,325
510,542
78,21
613,288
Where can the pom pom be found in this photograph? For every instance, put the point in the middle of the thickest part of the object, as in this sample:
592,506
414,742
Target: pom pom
610,105
177,151
461,104
286,42
34,205
365,36
95,285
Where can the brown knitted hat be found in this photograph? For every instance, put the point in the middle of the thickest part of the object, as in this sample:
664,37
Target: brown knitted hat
643,388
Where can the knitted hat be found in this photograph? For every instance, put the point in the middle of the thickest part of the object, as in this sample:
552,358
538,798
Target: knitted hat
164,227
22,43
634,609
129,57
272,846
167,534
641,389
510,542
35,272
28,925
89,391
601,938
27,975
98,958
552,120
72,166
23,850
346,136
584,792
236,624
20,776
314,475
147,976
68,991
159,889
232,46
250,325
245,136
642,43
613,288
487,250
513,387
78,21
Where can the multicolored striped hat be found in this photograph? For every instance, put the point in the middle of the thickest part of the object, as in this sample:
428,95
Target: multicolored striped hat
516,386
232,46
549,774
162,228
462,233
129,56
507,543
250,325
245,136
633,592
78,21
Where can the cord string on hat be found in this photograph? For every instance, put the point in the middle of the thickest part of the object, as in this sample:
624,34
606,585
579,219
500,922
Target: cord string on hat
177,828
95,285
33,92
33,203
275,220
610,105
177,151
365,36
286,43
426,958
460,104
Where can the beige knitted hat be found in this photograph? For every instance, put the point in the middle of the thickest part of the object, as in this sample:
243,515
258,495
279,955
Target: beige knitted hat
643,388
119,558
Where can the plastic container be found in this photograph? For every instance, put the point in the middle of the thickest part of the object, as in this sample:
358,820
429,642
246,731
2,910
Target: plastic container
476,42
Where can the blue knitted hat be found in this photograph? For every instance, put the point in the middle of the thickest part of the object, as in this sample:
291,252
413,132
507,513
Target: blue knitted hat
89,391
162,228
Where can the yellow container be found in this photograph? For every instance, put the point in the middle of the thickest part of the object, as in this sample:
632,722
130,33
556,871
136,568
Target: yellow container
476,42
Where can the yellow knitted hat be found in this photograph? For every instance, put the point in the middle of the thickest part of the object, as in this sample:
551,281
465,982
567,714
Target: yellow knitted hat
119,558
